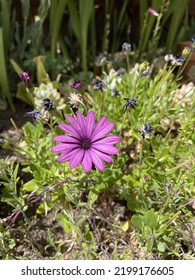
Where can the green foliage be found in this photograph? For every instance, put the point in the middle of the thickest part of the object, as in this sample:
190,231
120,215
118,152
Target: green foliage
150,182
168,21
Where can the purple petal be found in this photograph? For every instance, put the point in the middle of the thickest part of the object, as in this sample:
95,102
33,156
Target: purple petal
68,155
97,161
87,162
66,139
90,120
110,140
108,149
69,129
102,131
100,123
75,126
82,123
63,147
101,155
76,159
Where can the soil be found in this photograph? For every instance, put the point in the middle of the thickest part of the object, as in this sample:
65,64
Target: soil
7,130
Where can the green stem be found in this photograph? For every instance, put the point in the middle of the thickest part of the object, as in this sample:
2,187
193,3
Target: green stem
125,114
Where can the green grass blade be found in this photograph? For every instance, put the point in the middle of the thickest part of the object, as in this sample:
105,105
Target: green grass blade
5,8
3,77
85,15
176,21
56,15
74,20
148,26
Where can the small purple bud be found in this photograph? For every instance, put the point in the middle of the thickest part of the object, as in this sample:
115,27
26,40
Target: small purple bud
26,79
152,12
76,84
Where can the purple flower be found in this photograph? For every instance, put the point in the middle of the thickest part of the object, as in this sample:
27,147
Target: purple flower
26,79
35,115
86,142
130,103
76,84
48,104
152,12
126,47
98,84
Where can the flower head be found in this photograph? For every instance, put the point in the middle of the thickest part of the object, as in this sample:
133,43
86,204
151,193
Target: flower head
98,84
26,79
35,115
115,92
153,12
48,104
86,143
75,99
130,103
76,84
146,130
100,60
126,47
121,72
186,52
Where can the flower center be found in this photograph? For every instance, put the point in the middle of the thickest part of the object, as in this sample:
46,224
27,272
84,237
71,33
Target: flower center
85,144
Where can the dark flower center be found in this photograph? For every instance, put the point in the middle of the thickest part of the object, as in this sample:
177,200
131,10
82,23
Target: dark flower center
85,144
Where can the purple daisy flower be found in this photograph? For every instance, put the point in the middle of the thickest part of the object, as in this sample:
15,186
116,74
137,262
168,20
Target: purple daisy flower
86,142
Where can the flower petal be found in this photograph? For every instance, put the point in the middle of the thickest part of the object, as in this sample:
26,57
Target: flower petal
101,131
90,120
100,123
76,126
69,129
101,155
65,139
108,149
68,155
63,147
82,123
76,159
97,161
87,162
110,140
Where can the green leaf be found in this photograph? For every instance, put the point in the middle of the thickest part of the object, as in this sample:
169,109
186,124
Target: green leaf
150,219
3,77
30,186
161,247
149,244
42,75
22,94
137,206
138,221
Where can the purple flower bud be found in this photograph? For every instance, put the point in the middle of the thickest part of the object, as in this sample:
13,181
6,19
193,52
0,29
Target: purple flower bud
76,84
153,12
26,79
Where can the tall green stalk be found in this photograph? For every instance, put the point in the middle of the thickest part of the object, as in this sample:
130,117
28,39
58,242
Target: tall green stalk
56,14
6,96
